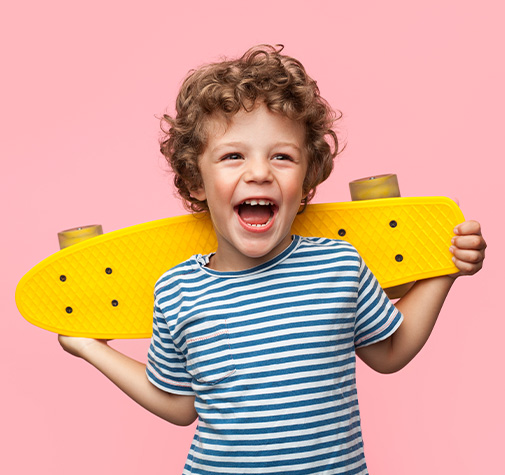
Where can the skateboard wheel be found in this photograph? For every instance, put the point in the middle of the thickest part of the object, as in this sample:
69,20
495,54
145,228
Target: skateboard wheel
73,236
373,187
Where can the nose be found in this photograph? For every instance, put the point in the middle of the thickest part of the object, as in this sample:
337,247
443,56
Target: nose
258,170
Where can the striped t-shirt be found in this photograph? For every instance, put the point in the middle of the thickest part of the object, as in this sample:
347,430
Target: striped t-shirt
269,354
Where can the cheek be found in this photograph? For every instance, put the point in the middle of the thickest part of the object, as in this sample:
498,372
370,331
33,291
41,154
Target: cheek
297,193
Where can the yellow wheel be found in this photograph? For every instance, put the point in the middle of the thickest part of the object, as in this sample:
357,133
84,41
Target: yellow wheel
73,236
372,188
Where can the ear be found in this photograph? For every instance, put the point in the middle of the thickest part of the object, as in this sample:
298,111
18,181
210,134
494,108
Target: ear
199,194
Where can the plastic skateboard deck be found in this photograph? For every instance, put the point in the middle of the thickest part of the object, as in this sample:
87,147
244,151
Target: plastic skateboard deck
103,287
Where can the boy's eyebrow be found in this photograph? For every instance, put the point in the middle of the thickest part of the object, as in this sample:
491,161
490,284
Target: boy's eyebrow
242,144
227,145
288,144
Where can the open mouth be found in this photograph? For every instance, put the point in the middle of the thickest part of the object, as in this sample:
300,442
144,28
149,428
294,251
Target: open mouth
257,213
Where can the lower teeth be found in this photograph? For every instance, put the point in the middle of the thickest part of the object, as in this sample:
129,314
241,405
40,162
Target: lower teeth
261,225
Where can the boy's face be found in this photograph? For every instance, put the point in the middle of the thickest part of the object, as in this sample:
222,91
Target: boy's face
253,169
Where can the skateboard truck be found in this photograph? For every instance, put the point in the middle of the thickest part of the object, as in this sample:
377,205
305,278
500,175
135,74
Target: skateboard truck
376,187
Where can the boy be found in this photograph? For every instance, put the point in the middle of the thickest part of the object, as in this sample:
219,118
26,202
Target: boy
258,340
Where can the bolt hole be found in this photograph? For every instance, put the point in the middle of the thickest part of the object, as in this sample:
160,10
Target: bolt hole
108,270
115,303
341,232
399,258
69,309
393,224
63,278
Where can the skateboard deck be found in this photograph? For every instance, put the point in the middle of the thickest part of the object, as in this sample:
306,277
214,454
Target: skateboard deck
103,287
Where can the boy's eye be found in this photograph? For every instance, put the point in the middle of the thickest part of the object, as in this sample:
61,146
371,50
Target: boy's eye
232,156
281,156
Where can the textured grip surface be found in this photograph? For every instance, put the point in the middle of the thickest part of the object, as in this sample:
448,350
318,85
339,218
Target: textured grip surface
103,287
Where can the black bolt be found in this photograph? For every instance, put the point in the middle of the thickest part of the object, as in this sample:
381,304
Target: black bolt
108,270
393,223
63,278
399,258
115,303
341,232
69,310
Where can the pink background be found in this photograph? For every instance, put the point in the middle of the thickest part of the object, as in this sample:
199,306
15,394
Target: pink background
421,88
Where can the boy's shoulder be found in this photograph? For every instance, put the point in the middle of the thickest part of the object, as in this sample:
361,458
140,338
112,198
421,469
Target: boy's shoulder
319,250
186,270
327,244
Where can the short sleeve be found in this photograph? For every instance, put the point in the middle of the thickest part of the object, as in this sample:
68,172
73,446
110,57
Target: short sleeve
166,365
376,317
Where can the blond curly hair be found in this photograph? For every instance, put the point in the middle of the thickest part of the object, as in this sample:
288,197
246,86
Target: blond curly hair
261,74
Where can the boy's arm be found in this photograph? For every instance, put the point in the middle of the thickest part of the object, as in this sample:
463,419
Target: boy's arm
129,375
422,304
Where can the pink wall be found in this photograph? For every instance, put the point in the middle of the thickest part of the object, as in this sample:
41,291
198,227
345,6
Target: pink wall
421,87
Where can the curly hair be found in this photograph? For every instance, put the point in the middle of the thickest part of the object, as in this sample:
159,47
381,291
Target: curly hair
226,87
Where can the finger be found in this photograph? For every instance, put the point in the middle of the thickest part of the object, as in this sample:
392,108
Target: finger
468,227
470,256
467,268
471,241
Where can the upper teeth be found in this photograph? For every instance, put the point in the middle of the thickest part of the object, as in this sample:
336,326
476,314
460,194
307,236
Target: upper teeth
258,202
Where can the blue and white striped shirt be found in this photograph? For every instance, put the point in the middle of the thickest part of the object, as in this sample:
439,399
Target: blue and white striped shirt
269,354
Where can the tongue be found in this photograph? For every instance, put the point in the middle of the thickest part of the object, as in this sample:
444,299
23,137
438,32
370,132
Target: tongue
254,214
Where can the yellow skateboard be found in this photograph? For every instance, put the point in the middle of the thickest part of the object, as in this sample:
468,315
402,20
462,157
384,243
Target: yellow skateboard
103,287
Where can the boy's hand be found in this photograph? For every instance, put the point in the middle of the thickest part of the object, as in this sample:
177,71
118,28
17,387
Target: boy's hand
468,248
76,346
130,376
